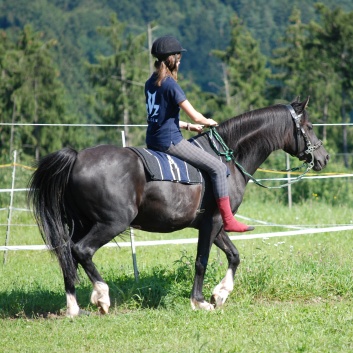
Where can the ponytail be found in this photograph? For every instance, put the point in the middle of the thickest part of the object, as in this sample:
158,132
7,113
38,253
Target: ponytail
167,67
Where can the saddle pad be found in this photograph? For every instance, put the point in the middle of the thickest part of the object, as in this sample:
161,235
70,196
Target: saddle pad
162,166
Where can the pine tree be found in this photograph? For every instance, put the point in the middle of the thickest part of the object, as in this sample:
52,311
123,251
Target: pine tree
119,79
302,70
8,84
31,94
245,71
331,43
289,59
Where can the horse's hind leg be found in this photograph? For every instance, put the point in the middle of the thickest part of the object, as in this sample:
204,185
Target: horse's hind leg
72,308
225,287
83,251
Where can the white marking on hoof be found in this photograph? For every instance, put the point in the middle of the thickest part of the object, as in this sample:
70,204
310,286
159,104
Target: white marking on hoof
100,297
219,300
223,289
72,307
204,305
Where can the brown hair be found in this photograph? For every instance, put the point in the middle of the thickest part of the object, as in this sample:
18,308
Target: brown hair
167,67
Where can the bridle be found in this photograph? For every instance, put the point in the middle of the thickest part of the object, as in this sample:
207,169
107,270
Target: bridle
310,148
300,130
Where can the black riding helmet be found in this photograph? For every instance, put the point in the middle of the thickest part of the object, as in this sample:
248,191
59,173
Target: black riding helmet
165,46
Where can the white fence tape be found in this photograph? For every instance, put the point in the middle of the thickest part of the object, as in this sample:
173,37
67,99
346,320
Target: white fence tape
247,236
309,177
14,190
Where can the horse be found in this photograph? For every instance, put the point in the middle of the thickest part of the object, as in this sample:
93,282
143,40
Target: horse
82,200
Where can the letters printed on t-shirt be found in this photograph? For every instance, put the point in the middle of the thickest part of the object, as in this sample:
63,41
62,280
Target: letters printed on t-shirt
152,108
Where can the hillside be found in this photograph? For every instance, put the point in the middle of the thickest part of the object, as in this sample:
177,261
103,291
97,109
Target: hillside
201,26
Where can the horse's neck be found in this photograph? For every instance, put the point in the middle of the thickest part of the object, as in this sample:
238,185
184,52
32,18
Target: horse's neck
253,140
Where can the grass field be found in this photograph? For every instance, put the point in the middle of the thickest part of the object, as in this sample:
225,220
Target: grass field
292,294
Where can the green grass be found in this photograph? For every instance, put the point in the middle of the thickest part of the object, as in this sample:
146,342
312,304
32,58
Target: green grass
292,294
240,327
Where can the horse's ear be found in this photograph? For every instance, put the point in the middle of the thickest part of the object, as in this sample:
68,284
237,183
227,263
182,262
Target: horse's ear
304,104
296,100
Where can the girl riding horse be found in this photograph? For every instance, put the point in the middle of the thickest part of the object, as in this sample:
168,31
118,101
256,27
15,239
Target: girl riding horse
164,98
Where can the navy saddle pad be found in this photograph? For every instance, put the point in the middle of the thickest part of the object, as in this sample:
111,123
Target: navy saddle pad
162,166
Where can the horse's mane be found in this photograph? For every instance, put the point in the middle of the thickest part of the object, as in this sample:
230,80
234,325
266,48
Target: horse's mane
267,126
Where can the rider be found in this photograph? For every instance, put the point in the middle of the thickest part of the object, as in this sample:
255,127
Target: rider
164,98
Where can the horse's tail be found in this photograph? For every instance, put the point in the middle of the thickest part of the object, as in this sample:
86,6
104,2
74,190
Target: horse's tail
47,198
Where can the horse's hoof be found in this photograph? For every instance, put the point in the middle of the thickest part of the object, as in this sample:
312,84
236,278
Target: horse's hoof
204,305
71,313
104,309
100,297
216,300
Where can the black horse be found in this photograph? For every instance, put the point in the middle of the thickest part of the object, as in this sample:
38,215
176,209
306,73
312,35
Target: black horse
83,200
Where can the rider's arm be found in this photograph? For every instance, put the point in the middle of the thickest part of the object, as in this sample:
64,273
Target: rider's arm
194,115
190,127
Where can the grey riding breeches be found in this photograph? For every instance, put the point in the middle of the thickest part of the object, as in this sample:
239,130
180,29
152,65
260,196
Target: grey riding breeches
201,159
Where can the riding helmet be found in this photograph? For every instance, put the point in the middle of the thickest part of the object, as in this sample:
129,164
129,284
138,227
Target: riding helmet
166,45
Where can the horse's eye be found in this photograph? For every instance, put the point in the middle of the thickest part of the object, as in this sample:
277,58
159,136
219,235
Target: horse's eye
310,127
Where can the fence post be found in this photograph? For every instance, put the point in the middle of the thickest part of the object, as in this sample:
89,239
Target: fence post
289,184
9,215
132,236
133,252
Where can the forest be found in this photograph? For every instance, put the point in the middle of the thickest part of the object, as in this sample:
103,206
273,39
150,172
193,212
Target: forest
86,61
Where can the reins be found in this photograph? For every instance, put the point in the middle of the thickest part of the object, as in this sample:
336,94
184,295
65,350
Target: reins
228,154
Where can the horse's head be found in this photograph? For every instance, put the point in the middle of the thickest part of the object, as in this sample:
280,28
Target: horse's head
306,146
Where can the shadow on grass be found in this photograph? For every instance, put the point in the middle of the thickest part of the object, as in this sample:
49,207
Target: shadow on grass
151,291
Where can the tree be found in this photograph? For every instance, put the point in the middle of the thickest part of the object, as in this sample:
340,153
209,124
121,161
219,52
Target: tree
332,44
31,93
303,72
119,79
7,86
289,58
244,71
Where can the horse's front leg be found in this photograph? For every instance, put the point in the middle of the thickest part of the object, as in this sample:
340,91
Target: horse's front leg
226,286
207,234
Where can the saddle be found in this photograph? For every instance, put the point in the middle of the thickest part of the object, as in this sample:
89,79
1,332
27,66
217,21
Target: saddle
163,167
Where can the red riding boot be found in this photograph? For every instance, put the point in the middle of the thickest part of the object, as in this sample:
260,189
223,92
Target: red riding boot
230,224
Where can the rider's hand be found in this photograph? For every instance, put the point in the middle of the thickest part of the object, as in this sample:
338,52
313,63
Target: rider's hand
211,122
196,127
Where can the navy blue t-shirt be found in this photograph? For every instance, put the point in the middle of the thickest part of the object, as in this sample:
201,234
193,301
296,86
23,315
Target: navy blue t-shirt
163,109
